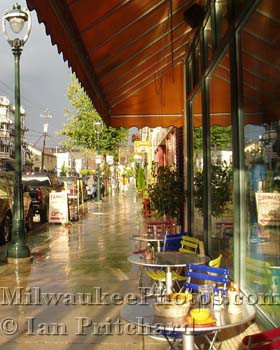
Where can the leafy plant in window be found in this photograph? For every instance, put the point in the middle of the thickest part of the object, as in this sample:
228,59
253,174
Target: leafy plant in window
167,194
221,189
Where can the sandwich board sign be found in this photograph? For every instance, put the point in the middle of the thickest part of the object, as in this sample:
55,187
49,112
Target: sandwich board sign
58,207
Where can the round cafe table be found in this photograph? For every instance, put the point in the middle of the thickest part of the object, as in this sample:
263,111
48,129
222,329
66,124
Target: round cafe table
148,238
142,314
168,260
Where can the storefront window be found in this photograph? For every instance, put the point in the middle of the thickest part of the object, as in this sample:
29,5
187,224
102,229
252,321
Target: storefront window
197,62
197,165
190,75
221,227
222,24
208,40
261,79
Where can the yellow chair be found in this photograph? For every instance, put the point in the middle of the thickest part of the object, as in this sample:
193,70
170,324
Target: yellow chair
189,245
216,262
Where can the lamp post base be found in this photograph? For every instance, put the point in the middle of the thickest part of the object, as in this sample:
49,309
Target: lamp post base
18,252
27,260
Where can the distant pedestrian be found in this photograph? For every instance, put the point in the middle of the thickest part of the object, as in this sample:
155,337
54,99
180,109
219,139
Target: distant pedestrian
91,186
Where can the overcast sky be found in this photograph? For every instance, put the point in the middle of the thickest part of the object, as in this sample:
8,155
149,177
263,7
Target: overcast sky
44,79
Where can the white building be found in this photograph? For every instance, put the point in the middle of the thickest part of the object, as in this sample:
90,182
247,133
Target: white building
7,131
50,161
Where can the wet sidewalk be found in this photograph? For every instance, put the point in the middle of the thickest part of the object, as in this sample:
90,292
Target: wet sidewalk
67,297
70,296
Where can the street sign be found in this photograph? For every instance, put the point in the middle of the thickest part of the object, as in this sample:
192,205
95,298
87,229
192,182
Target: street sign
98,159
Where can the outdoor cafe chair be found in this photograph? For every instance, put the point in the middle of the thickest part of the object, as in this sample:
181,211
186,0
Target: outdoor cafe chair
205,274
262,341
189,245
181,242
171,242
216,262
217,277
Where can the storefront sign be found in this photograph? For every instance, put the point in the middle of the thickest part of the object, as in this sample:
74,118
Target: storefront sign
142,146
268,208
98,159
58,208
109,160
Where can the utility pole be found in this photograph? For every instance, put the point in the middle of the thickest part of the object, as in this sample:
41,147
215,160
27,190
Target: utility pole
46,116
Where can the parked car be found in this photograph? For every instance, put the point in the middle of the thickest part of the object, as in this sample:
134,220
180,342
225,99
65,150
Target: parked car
40,185
6,206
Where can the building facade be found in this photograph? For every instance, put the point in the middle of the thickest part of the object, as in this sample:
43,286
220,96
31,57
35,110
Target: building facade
7,133
232,108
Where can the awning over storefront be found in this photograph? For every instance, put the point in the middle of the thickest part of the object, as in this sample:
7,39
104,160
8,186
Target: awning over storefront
127,54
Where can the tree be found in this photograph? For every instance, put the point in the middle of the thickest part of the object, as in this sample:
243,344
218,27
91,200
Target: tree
140,180
220,137
64,170
221,189
80,130
167,193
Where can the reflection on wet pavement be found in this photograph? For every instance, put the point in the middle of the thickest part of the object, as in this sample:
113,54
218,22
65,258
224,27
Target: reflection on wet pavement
87,260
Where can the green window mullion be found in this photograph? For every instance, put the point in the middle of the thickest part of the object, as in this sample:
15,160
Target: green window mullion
203,51
206,162
213,26
237,151
190,201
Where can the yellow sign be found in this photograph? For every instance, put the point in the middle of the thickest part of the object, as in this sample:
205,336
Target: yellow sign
142,146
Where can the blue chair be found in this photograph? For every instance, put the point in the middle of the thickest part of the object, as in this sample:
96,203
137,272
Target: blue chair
216,276
172,242
219,279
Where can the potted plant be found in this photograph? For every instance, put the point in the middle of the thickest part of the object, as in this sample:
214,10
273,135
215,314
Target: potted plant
68,224
167,194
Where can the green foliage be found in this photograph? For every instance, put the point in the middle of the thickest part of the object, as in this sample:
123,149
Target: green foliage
81,131
64,170
140,180
221,189
129,172
167,194
220,137
85,172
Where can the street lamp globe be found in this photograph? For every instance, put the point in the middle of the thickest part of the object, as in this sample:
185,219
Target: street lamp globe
16,18
98,126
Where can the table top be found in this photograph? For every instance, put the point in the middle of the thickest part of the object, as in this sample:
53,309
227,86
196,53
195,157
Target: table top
169,259
147,237
142,314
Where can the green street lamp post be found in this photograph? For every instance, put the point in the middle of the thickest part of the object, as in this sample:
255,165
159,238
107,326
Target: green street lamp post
98,127
17,18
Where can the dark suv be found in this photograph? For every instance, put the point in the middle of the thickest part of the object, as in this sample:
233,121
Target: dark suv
40,185
6,206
